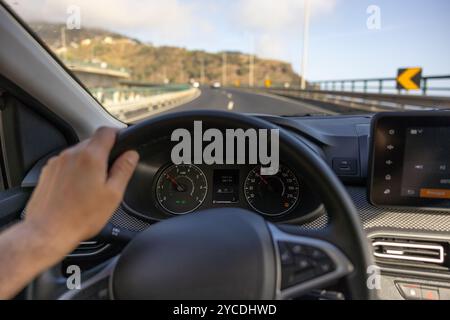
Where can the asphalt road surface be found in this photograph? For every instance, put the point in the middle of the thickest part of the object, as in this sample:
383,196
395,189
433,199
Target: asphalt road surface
235,100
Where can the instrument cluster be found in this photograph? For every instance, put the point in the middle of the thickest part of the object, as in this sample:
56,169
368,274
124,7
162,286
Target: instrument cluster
160,189
181,189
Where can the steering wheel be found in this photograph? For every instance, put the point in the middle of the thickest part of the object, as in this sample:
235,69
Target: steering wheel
231,253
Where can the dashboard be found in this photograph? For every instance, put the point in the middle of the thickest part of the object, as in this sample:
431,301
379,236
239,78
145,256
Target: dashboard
398,171
409,231
395,222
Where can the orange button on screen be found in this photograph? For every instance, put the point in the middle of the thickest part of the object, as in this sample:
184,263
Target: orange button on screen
435,193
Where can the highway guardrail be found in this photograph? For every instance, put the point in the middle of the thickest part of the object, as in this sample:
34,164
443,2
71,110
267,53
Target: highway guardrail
134,104
369,102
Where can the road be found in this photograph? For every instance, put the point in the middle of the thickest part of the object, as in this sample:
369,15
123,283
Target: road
235,100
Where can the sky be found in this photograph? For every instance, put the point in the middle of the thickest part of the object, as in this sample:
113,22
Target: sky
341,45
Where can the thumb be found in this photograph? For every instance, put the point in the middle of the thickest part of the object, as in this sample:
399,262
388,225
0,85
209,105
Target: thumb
122,170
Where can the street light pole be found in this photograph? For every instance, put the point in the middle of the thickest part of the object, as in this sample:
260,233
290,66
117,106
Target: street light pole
251,73
307,14
224,69
202,70
64,42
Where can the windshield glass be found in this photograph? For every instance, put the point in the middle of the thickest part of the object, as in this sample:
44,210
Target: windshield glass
286,57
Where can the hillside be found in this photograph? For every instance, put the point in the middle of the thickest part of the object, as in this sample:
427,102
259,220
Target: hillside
150,63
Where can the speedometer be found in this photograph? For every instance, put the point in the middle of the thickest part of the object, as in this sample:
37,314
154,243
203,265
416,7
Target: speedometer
181,188
272,195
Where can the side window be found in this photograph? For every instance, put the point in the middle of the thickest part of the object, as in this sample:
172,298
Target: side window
26,137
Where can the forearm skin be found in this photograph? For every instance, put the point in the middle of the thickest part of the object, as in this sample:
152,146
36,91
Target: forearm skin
26,251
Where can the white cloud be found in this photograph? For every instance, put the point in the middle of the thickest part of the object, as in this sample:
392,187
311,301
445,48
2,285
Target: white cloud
276,26
270,28
170,19
282,15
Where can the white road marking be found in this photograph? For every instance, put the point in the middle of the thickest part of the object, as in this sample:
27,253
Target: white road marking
303,104
229,96
230,105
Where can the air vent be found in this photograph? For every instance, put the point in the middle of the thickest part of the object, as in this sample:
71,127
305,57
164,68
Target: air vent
88,248
409,251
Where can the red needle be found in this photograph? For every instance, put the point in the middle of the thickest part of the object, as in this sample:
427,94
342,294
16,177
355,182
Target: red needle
174,182
262,179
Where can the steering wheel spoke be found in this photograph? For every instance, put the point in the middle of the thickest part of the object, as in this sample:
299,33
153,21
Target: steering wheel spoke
305,263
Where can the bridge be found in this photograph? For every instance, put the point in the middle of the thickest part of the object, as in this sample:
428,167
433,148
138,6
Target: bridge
131,100
370,95
358,96
97,75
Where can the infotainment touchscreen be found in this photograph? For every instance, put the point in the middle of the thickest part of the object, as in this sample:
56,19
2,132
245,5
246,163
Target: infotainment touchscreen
410,160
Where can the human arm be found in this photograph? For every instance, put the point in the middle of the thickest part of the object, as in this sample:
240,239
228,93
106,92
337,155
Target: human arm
75,197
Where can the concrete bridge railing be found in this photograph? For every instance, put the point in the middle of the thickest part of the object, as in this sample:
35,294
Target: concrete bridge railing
131,105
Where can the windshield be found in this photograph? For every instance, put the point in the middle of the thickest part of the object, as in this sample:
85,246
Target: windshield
286,57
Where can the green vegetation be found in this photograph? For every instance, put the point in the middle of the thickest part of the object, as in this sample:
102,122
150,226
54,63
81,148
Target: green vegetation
149,63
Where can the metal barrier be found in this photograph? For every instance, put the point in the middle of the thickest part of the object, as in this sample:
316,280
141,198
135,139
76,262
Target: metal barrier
384,85
367,102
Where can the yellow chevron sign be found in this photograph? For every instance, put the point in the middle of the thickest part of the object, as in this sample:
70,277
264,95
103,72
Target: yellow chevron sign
409,78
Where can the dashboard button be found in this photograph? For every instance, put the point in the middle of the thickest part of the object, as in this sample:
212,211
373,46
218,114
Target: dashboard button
410,291
429,293
345,166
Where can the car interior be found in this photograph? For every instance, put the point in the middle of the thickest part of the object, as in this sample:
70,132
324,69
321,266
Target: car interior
364,211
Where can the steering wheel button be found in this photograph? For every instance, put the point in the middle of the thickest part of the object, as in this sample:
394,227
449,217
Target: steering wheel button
285,255
325,267
317,254
297,249
302,264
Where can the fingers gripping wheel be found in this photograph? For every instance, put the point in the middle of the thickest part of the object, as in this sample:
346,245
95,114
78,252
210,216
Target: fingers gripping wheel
304,260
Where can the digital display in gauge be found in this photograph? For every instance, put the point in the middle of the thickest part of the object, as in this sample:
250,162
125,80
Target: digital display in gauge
225,186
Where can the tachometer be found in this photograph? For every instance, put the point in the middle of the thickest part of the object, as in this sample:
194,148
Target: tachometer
272,195
181,189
